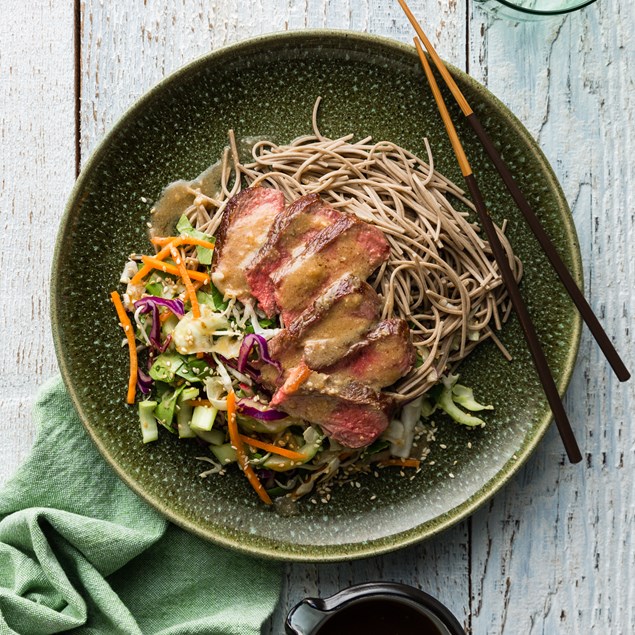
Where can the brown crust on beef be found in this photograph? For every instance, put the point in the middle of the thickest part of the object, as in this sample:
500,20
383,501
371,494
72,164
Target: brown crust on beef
322,240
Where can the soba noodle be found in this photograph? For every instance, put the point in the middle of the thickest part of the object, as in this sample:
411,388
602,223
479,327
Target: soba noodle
441,275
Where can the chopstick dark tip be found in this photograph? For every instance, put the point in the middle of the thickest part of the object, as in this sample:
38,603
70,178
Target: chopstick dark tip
576,458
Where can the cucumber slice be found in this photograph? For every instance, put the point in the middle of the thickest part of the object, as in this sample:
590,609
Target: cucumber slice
149,430
215,437
203,418
224,453
184,413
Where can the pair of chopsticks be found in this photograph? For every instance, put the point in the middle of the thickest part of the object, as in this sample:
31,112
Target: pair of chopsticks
544,373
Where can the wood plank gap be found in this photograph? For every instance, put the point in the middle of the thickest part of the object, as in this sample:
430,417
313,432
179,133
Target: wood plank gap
470,596
77,46
467,38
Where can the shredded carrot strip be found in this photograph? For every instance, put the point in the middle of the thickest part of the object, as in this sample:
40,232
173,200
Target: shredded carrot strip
200,402
166,267
165,315
197,284
296,378
416,463
274,449
147,268
237,442
162,240
167,242
132,348
191,292
181,240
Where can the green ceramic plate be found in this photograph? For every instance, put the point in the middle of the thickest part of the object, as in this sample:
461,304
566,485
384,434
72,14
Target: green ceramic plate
267,86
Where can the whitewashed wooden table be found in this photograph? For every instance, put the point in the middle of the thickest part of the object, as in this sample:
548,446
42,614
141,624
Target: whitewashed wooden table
553,552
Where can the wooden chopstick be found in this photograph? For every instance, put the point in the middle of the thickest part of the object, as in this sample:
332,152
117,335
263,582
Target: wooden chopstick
529,331
548,247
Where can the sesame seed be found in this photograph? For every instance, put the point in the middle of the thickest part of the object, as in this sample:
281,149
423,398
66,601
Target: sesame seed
469,445
443,446
373,497
451,475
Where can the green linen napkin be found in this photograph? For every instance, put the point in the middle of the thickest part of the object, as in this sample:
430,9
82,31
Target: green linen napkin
81,553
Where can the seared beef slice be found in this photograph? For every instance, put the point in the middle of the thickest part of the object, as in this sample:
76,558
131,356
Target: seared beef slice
349,412
323,333
290,233
347,246
344,398
385,355
310,262
242,232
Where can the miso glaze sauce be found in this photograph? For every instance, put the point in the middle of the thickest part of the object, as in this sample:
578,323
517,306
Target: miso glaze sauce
380,617
177,197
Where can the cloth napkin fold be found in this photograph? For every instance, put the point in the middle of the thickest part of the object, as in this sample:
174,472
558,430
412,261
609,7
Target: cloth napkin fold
80,552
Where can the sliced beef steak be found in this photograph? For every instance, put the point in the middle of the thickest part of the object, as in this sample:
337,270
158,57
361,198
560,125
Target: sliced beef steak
309,262
323,333
291,232
243,230
349,412
347,246
384,355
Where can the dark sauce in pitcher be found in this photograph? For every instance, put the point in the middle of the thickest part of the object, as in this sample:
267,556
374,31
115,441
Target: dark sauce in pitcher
380,617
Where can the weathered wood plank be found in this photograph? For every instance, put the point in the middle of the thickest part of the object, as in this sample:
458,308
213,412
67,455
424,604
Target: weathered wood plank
552,552
37,169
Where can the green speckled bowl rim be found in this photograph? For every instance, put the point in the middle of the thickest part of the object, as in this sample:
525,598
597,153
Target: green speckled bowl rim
331,553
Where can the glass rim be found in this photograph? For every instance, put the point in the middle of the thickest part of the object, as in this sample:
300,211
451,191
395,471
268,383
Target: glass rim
511,5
